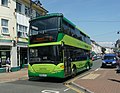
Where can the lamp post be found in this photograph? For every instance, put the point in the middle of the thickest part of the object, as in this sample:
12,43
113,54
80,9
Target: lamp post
118,41
118,32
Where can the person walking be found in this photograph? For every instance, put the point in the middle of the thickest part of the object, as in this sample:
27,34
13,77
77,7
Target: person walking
118,65
8,65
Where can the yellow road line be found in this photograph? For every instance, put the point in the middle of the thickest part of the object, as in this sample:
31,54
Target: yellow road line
77,77
75,89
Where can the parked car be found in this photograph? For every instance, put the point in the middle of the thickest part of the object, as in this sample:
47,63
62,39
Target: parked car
109,60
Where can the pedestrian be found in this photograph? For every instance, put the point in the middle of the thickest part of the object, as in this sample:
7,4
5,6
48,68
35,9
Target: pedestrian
118,65
8,65
0,63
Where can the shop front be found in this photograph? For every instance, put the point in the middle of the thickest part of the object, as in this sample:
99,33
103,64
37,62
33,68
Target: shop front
22,52
4,54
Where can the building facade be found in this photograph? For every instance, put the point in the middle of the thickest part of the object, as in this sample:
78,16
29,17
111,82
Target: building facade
14,28
97,49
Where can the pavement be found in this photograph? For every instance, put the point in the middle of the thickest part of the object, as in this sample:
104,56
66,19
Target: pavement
102,80
13,76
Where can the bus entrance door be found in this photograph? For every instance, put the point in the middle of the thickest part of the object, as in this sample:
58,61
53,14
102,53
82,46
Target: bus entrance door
67,62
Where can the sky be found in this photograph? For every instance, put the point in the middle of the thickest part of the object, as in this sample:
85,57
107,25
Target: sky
100,19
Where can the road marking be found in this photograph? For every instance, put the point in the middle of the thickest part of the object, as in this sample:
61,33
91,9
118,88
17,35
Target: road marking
77,77
50,91
97,69
66,89
75,89
91,76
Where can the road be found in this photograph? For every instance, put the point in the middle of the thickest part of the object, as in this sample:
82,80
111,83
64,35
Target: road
43,85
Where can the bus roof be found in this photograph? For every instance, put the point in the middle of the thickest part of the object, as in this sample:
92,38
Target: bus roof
60,15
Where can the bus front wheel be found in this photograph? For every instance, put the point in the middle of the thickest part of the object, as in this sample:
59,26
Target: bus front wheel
88,66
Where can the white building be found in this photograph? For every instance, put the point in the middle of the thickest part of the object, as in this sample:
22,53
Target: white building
14,27
106,44
96,48
109,50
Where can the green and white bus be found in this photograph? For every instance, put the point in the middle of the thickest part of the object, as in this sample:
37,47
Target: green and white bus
57,48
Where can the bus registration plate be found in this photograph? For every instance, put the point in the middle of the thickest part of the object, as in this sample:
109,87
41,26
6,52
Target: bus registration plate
43,75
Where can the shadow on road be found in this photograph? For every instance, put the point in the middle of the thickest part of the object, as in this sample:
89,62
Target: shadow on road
115,80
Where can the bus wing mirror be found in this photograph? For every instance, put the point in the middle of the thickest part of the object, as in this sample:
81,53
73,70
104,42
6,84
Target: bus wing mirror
62,45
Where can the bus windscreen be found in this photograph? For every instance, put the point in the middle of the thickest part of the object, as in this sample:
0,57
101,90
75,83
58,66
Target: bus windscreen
44,30
46,54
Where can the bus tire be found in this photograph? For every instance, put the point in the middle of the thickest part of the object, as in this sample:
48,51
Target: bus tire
74,71
88,66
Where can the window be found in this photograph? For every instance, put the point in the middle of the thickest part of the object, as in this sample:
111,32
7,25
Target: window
45,54
22,31
66,28
27,11
4,24
19,6
4,2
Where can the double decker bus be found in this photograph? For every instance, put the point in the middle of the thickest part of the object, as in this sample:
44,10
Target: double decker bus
57,48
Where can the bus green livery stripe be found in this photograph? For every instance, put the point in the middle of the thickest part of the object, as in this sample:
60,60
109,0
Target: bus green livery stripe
45,44
76,43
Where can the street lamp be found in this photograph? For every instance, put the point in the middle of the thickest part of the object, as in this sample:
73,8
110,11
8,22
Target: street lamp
118,32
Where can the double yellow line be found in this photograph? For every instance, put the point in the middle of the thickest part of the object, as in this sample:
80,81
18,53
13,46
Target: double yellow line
67,83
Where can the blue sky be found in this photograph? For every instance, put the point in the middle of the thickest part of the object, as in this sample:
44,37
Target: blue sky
100,19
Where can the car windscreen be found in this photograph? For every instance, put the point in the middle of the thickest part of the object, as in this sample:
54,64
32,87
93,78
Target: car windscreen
109,58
